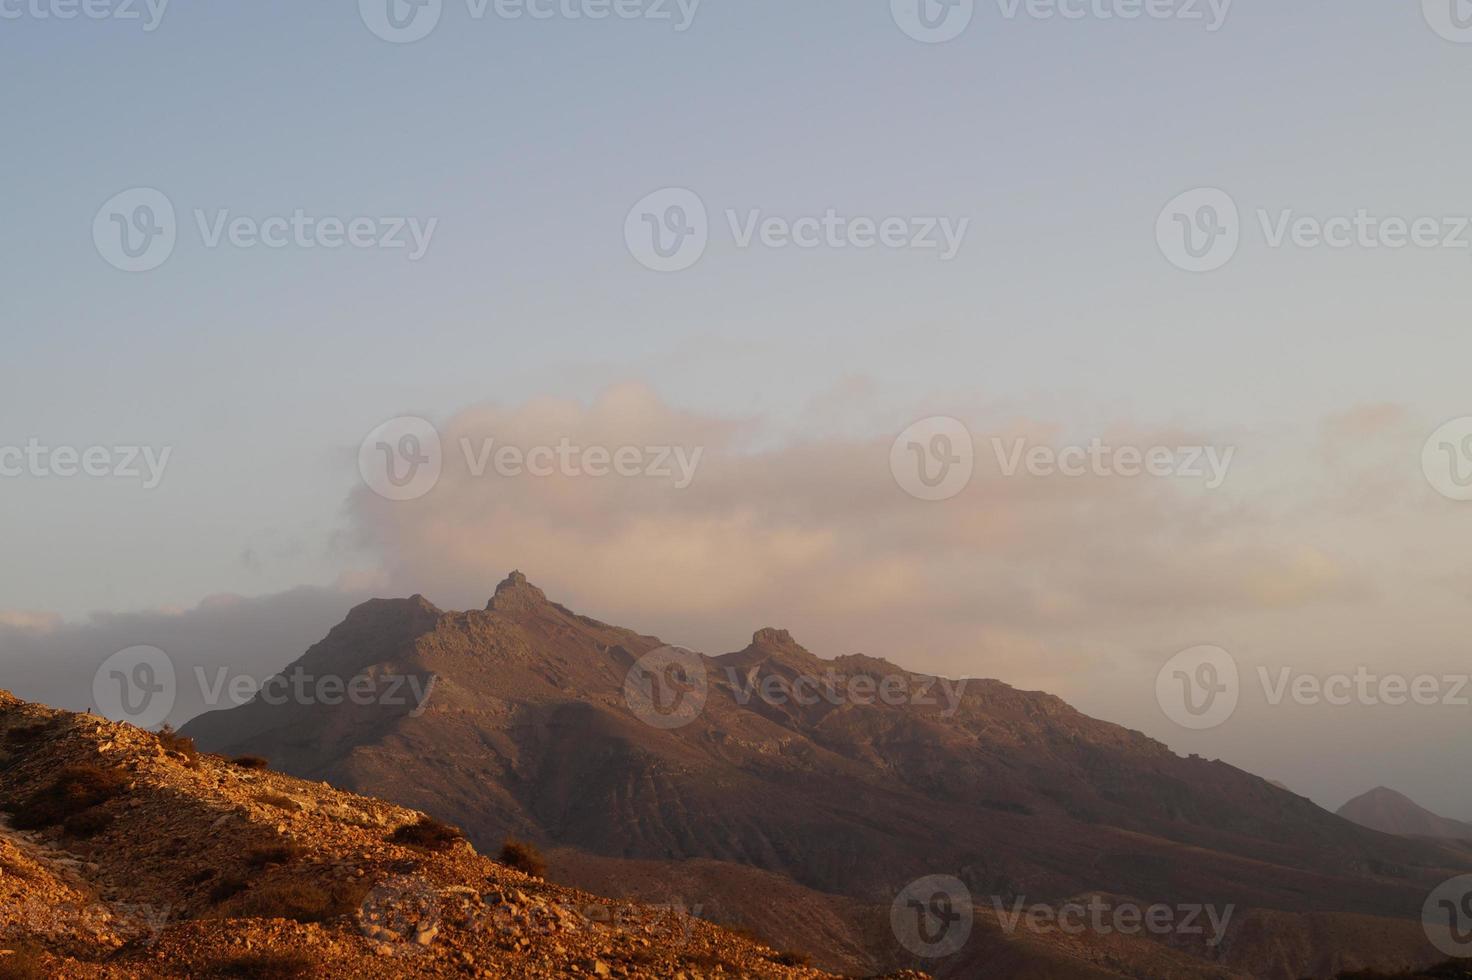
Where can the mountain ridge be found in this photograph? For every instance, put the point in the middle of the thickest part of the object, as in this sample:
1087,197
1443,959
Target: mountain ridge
530,732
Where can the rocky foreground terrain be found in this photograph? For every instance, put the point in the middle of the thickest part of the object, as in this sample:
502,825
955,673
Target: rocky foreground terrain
128,854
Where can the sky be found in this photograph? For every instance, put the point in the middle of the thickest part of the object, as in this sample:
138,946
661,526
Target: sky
1060,152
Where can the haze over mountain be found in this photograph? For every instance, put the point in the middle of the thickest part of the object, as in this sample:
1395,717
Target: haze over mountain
1390,812
823,808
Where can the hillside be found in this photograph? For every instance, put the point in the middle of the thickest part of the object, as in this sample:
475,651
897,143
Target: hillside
143,858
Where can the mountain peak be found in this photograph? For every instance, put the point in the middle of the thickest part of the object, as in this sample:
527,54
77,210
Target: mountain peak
770,645
769,636
515,592
381,612
1391,812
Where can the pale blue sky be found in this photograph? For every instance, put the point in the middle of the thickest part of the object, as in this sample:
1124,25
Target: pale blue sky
530,141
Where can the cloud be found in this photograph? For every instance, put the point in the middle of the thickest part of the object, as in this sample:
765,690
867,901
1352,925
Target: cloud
45,659
1325,549
819,534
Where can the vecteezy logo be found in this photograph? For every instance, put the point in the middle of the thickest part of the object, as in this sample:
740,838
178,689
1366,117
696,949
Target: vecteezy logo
1447,459
1447,917
401,459
668,230
667,687
932,917
136,230
1452,19
933,21
934,458
1200,230
1198,688
401,21
136,685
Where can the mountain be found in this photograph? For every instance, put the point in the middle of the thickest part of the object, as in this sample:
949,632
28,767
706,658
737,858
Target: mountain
141,857
798,796
1390,812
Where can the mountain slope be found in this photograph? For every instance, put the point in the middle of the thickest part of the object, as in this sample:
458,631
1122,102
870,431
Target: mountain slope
528,732
143,858
1390,812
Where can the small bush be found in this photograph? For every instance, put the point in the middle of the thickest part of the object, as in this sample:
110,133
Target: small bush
26,733
793,959
250,762
75,789
88,823
201,876
265,966
278,801
24,963
172,741
17,871
261,857
227,888
302,901
429,834
523,857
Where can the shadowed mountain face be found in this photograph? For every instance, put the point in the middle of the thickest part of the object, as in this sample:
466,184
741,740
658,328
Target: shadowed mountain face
1390,812
845,779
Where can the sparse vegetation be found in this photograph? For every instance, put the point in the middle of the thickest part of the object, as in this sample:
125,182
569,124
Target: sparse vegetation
250,762
266,966
88,823
523,857
429,834
279,801
227,888
262,857
25,962
178,744
793,959
75,790
302,901
26,733
14,870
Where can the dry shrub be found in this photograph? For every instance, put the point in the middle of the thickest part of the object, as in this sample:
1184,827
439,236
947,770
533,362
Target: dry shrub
429,834
227,888
74,790
27,733
279,801
523,857
88,823
302,901
262,857
793,959
25,962
172,741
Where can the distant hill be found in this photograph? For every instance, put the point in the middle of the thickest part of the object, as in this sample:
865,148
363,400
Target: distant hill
1390,812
